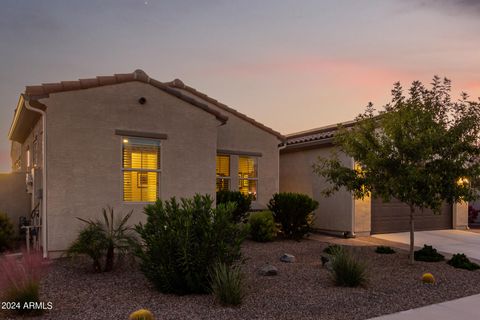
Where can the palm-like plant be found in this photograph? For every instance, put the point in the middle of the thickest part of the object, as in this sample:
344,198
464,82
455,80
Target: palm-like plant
103,238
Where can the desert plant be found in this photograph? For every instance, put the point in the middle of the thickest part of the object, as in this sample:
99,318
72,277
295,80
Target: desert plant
100,239
332,249
20,279
242,203
262,226
384,250
347,270
428,278
294,212
6,232
183,240
461,261
142,314
227,284
428,254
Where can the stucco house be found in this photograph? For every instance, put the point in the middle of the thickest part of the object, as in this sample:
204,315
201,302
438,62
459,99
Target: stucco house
341,213
126,140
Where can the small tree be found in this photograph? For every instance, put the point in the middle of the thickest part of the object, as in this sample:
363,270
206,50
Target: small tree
422,150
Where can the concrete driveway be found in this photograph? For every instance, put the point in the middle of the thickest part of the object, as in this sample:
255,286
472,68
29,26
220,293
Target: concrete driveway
447,241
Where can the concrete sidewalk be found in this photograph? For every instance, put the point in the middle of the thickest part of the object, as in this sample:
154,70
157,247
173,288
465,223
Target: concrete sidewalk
461,309
448,241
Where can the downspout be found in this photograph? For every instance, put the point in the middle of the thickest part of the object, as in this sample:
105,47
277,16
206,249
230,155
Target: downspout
281,146
44,175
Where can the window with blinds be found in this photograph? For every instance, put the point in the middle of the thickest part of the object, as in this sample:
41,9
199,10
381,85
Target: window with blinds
223,172
141,169
247,176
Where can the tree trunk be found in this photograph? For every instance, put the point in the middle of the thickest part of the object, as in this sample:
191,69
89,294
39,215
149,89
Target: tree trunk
412,235
110,257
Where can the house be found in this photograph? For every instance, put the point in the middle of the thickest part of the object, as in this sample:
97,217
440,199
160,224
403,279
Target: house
126,140
341,213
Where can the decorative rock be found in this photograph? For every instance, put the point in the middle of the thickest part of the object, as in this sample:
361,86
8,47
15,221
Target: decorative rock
268,270
287,258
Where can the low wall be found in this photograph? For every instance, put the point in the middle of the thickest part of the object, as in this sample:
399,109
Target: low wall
14,200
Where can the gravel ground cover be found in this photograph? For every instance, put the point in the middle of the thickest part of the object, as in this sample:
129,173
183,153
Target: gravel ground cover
301,290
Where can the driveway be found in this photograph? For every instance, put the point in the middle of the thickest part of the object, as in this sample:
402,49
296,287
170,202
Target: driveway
447,241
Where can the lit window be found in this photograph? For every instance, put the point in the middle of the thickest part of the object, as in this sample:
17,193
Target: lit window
223,172
247,176
29,159
141,169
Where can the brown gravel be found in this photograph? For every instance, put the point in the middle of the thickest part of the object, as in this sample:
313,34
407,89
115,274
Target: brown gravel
302,290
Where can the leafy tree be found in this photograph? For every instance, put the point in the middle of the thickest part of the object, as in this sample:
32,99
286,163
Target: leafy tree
421,149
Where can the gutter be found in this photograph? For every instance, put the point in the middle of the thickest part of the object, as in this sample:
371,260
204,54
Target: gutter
44,175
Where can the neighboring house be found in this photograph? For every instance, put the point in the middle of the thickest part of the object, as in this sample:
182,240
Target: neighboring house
341,213
126,140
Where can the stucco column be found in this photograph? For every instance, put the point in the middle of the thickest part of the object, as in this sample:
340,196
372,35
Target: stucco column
460,215
362,209
234,172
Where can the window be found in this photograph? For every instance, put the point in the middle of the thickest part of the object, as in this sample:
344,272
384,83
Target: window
223,172
29,159
141,169
247,176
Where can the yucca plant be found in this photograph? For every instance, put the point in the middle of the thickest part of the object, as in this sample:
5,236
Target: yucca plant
347,270
227,284
102,238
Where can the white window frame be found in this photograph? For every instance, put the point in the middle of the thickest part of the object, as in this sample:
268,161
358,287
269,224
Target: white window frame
158,171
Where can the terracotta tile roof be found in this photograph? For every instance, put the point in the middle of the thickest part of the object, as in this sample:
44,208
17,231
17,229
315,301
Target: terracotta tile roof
177,83
138,75
315,136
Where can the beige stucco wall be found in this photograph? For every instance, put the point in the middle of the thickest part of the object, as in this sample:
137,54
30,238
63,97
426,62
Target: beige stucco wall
460,215
14,201
296,175
84,154
240,135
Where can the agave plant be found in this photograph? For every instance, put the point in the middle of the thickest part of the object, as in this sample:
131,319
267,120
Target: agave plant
103,238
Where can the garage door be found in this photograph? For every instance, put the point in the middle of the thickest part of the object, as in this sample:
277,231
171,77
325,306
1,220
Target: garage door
394,216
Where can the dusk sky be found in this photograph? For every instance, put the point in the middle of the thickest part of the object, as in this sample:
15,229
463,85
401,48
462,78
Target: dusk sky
292,65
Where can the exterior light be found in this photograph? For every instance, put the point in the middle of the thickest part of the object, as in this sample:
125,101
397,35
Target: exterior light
125,140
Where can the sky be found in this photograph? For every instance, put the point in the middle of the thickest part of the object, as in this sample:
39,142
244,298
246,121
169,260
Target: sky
290,64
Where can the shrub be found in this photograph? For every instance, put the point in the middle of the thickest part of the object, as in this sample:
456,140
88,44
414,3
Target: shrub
20,279
384,250
100,239
347,270
428,254
242,202
183,241
461,261
262,226
428,278
294,212
227,284
6,232
332,249
142,314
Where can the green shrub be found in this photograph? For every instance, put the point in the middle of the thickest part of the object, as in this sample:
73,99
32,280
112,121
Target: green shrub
384,250
347,270
20,279
428,254
332,249
183,241
227,284
6,232
101,239
241,201
461,261
294,212
262,226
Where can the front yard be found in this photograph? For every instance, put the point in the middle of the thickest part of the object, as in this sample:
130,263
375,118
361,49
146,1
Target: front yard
301,290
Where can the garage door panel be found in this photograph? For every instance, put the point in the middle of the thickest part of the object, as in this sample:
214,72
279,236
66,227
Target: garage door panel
394,216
